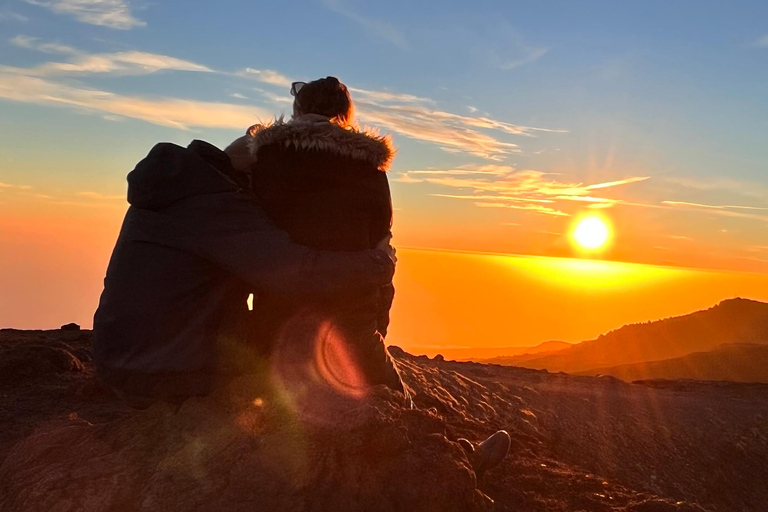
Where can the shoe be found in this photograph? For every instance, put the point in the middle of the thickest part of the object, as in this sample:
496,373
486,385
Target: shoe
489,453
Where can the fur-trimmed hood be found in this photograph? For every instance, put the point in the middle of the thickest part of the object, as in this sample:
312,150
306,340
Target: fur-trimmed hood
314,132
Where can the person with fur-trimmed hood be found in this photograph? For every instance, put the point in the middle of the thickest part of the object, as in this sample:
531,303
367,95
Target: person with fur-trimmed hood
324,182
172,320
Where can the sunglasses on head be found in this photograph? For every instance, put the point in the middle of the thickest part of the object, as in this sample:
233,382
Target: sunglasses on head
296,87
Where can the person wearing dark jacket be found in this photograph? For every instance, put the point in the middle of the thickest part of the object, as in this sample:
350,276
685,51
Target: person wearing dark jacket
325,184
194,243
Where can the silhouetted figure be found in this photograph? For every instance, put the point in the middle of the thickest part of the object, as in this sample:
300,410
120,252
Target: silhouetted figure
325,184
172,317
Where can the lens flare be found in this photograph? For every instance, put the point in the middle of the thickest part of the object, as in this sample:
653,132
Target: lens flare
591,233
316,369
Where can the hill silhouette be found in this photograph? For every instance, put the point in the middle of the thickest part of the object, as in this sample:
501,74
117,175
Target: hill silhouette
738,362
731,321
580,443
490,353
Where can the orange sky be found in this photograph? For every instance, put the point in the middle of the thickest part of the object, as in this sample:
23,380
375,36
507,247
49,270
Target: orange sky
506,133
52,261
451,300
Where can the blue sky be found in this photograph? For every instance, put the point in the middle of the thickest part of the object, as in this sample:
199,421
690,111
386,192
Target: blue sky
511,118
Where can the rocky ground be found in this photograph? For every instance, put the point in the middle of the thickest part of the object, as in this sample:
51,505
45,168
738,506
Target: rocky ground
579,443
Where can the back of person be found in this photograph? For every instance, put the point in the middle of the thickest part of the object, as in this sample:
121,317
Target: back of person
172,320
325,184
324,198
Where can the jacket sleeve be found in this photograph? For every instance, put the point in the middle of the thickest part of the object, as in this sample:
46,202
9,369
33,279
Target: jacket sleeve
232,231
381,226
386,297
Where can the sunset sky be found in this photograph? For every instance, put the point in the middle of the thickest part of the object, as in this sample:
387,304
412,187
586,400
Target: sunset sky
512,120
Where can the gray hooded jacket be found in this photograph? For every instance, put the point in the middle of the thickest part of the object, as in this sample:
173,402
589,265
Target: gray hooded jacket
191,249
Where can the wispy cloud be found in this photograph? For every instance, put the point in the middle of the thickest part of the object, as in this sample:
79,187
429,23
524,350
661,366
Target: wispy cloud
762,42
720,184
10,185
81,204
501,44
529,55
278,100
107,13
173,112
81,63
409,115
266,76
473,170
379,28
90,199
418,118
451,132
6,15
740,211
499,186
529,207
367,95
34,43
101,197
610,184
715,206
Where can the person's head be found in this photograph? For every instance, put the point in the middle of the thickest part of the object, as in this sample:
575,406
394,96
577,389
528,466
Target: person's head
326,97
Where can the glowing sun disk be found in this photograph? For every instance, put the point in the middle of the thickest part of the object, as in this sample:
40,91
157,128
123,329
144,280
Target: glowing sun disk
591,233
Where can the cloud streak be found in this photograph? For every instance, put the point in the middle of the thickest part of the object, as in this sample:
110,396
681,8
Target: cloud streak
114,14
373,26
719,184
714,206
6,15
531,55
81,63
172,112
408,115
740,211
418,118
101,197
266,76
34,43
17,187
499,186
451,132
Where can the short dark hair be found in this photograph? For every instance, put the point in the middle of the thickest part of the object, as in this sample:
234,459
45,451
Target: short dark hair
326,97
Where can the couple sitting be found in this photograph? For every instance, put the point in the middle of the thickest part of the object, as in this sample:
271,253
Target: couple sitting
296,213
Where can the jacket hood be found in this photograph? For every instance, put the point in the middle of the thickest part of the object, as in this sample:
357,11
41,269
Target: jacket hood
314,132
170,173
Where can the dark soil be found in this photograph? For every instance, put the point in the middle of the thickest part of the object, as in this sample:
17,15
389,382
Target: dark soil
579,443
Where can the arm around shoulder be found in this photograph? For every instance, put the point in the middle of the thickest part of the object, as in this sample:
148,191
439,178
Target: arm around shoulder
232,231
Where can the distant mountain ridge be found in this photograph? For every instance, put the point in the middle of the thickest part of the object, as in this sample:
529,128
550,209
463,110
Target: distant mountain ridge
732,321
736,362
490,353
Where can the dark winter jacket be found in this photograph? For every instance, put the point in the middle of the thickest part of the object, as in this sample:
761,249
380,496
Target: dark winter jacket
327,187
192,247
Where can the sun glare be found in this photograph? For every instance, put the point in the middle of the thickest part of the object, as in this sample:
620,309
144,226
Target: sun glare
591,233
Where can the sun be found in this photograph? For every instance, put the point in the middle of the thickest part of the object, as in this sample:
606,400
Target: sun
591,233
